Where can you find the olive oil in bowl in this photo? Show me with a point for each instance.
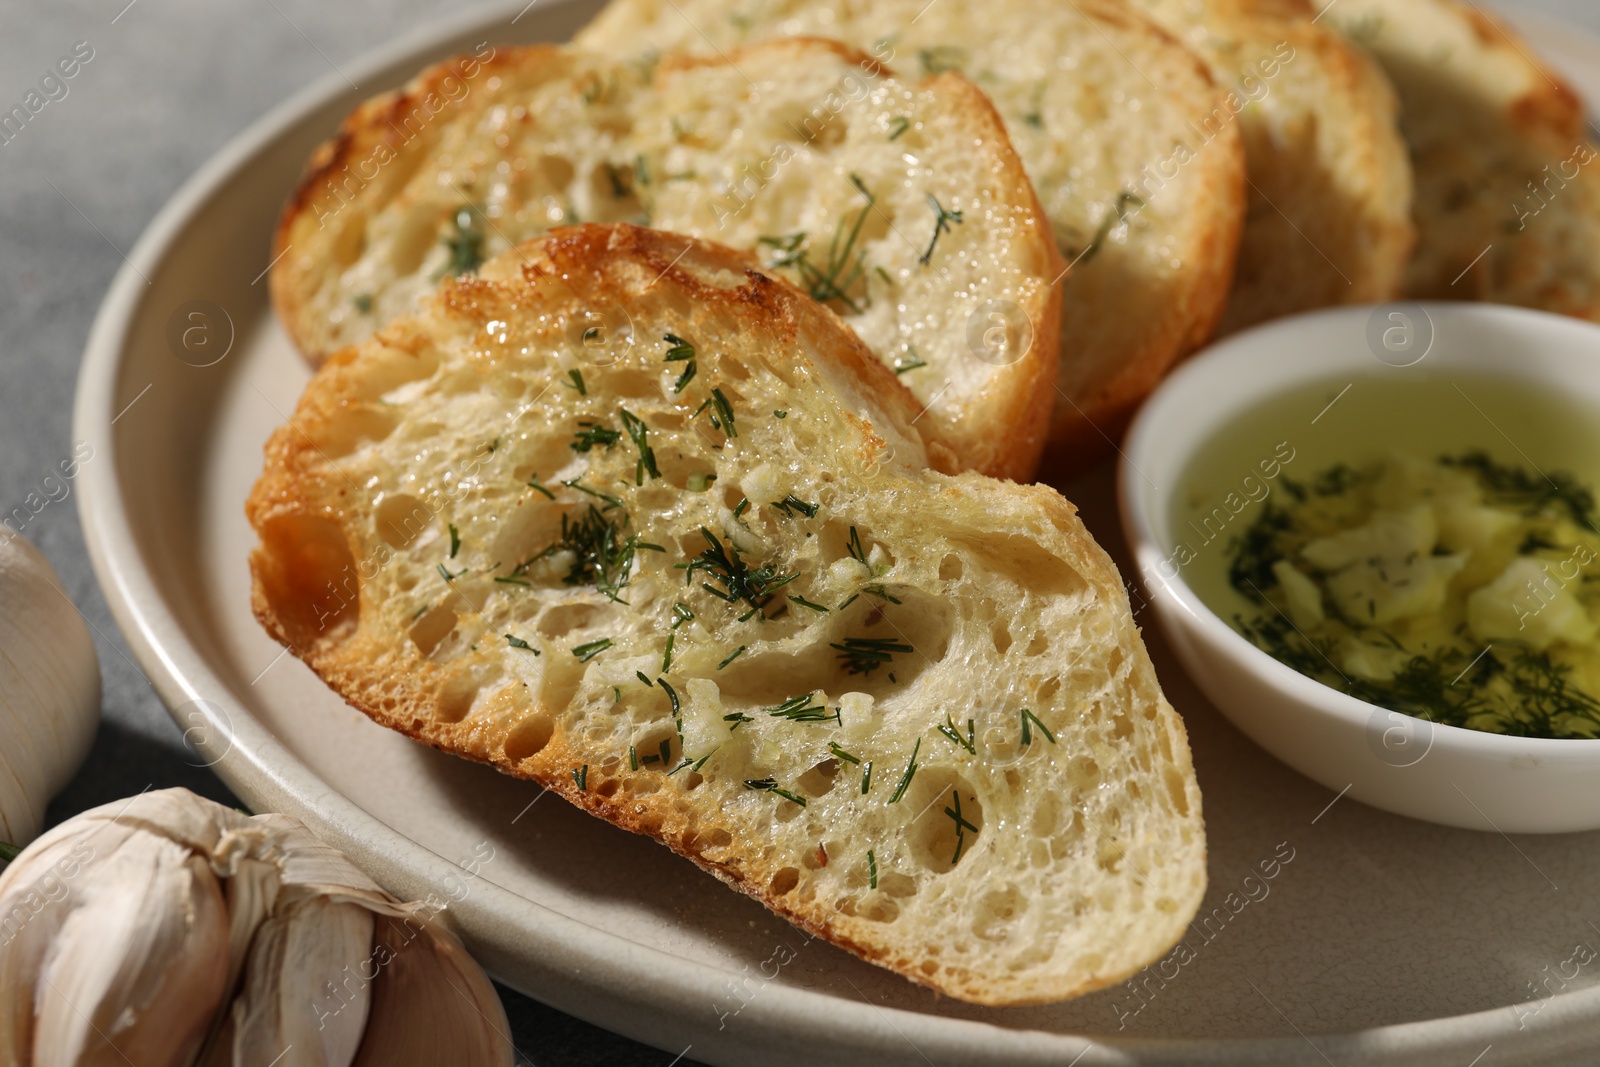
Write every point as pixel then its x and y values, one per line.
pixel 1426 543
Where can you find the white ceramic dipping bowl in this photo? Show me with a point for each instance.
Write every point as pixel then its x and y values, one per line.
pixel 1440 773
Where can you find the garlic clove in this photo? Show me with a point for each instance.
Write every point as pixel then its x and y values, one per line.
pixel 304 988
pixel 136 971
pixel 431 1003
pixel 49 688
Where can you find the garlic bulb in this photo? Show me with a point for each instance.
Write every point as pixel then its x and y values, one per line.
pixel 49 688
pixel 169 931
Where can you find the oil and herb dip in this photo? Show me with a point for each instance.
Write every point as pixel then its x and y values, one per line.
pixel 1432 548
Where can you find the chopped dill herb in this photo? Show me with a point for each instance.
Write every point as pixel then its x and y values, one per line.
pixel 633 758
pixel 872 870
pixel 687 762
pixel 666 657
pixel 878 590
pixel 651 757
pixel 666 751
pixel 533 483
pixel 645 678
pixel 941 59
pixel 791 504
pixel 1111 220
pixel 590 650
pixel 853 546
pixel 640 433
pixel 593 434
pixel 363 303
pixel 1028 718
pixel 735 654
pixel 899 125
pixel 909 362
pixel 802 709
pixel 942 218
pixel 576 379
pixel 740 508
pixel 611 501
pixel 905 779
pixel 580 778
pixel 621 181
pixel 839 753
pixel 863 655
pixel 465 243
pixel 866 778
pixel 672 697
pixel 681 350
pixel 949 730
pixel 740 583
pixel 840 272
pixel 516 642
pixel 803 602
pixel 725 410
pixel 962 825
pixel 1532 493
pixel 641 170
pixel 602 555
pixel 455 541
pixel 770 785
pixel 738 719
pixel 447 576
pixel 780 414
pixel 680 615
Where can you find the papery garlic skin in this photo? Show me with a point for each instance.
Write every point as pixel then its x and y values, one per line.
pixel 49 688
pixel 169 931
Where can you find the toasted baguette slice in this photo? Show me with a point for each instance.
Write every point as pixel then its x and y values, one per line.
pixel 1508 180
pixel 804 151
pixel 1108 113
pixel 1330 200
pixel 447 537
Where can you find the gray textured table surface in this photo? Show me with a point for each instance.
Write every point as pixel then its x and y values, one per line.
pixel 171 81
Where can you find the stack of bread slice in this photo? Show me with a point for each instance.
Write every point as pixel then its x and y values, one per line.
pixel 675 386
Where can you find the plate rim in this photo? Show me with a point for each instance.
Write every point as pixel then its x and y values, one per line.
pixel 580 969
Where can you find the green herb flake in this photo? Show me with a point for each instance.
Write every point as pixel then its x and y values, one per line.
pixel 962 825
pixel 725 411
pixel 791 504
pixel 780 414
pixel 533 483
pixel 735 654
pixel 899 125
pixel 640 433
pixel 363 303
pixel 645 678
pixel 633 758
pixel 575 380
pixel 590 650
pixel 803 602
pixel 942 218
pixel 770 785
pixel 839 753
pixel 1029 717
pixel 905 779
pixel 863 655
pixel 949 730
pixel 681 351
pixel 910 361
pixel 465 243
pixel 580 778
pixel 592 435
pixel 516 642
pixel 872 870
pixel 666 657
pixel 866 778
pixel 455 541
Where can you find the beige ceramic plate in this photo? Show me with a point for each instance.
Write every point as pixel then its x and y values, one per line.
pixel 1376 938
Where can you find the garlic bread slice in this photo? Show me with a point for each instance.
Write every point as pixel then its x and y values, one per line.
pixel 1109 115
pixel 1329 219
pixel 901 206
pixel 1508 178
pixel 654 530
